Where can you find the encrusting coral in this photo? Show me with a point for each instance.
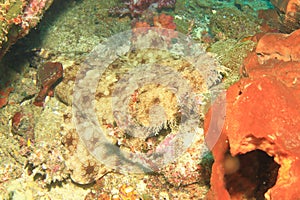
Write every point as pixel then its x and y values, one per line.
pixel 17 17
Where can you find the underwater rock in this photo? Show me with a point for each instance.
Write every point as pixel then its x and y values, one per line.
pixel 270 20
pixel 285 18
pixel 17 18
pixel 287 6
pixel 289 14
pixel 292 13
pixel 261 128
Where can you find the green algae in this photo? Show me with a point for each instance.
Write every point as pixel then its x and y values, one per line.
pixel 254 5
pixel 231 54
pixel 231 23
pixel 14 10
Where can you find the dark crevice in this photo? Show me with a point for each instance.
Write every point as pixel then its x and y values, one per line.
pixel 256 174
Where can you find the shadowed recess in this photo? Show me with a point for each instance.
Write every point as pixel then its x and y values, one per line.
pixel 256 174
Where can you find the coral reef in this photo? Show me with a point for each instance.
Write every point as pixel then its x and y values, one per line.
pixel 49 168
pixel 17 18
pixel 136 8
pixel 259 139
pixel 228 56
pixel 42 152
pixel 207 20
pixel 232 23
pixel 164 21
pixel 145 187
pixel 284 18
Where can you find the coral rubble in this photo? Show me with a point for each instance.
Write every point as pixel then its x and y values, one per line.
pixel 261 130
